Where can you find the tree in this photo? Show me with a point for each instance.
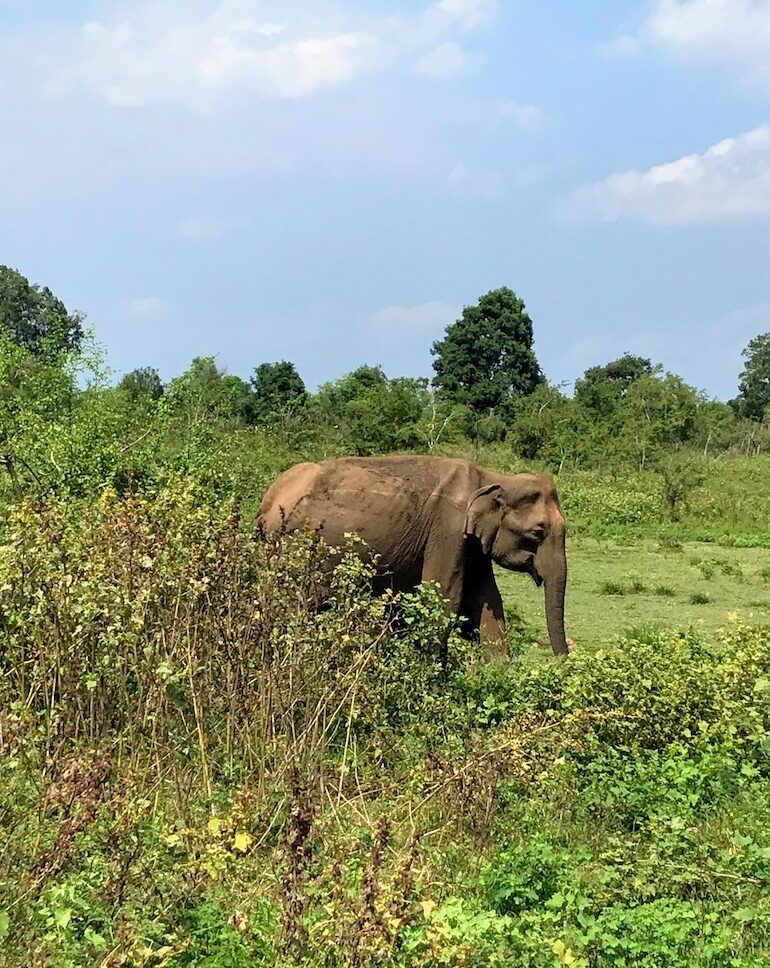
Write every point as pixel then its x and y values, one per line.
pixel 658 412
pixel 374 414
pixel 144 382
pixel 754 385
pixel 238 400
pixel 385 417
pixel 486 356
pixel 682 472
pixel 716 427
pixel 204 390
pixel 278 389
pixel 35 318
pixel 333 397
pixel 602 388
pixel 547 427
pixel 35 394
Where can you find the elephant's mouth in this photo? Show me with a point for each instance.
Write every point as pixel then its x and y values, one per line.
pixel 525 562
pixel 537 578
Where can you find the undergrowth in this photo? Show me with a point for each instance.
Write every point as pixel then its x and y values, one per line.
pixel 220 750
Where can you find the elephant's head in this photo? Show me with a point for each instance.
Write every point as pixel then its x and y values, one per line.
pixel 520 525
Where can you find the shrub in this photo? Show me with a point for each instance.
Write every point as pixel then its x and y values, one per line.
pixel 700 598
pixel 613 588
pixel 221 749
pixel 591 503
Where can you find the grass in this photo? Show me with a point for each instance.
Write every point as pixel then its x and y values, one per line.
pixel 614 587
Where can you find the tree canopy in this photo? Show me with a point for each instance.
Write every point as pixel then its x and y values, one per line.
pixel 205 389
pixel 374 413
pixel 601 388
pixel 486 356
pixel 142 382
pixel 34 318
pixel 278 388
pixel 754 386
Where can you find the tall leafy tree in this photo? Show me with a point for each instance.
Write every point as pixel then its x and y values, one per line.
pixel 143 382
pixel 754 385
pixel 333 397
pixel 486 356
pixel 278 389
pixel 548 426
pixel 374 414
pixel 659 411
pixel 204 390
pixel 602 388
pixel 34 318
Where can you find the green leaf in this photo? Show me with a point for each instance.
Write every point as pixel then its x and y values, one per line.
pixel 62 917
pixel 95 939
pixel 745 914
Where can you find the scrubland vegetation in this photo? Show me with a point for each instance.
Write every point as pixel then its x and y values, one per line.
pixel 200 767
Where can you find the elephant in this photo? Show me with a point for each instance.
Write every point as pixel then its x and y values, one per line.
pixel 440 519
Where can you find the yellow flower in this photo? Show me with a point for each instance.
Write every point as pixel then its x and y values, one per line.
pixel 243 841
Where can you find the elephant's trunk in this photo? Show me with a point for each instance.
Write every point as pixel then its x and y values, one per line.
pixel 551 564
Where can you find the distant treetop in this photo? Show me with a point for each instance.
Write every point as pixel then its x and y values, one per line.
pixel 142 382
pixel 34 318
pixel 601 388
pixel 278 388
pixel 753 400
pixel 486 356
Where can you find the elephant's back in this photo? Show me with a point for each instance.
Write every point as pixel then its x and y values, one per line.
pixel 347 495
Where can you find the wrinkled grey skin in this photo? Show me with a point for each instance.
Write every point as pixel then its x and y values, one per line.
pixel 436 519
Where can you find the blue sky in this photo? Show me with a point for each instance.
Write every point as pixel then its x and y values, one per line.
pixel 330 182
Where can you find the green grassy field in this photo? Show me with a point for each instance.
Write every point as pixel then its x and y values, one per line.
pixel 614 588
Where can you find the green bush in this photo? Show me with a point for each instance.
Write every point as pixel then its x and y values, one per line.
pixel 219 749
pixel 592 503
pixel 700 598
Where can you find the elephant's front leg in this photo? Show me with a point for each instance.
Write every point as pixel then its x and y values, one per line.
pixel 484 606
pixel 448 573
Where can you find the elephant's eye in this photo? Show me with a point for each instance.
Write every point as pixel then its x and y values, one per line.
pixel 528 500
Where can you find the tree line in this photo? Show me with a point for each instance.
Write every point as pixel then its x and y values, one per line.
pixel 488 388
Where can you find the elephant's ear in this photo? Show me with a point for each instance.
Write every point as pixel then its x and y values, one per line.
pixel 482 516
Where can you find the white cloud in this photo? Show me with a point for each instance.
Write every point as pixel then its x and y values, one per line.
pixel 729 180
pixel 448 58
pixel 201 54
pixel 430 315
pixel 146 59
pixel 144 306
pixel 468 14
pixel 286 70
pixel 624 45
pixel 733 33
pixel 200 227
pixel 489 185
pixel 527 117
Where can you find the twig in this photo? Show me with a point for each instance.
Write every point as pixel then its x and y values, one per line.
pixel 133 443
pixel 7 461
